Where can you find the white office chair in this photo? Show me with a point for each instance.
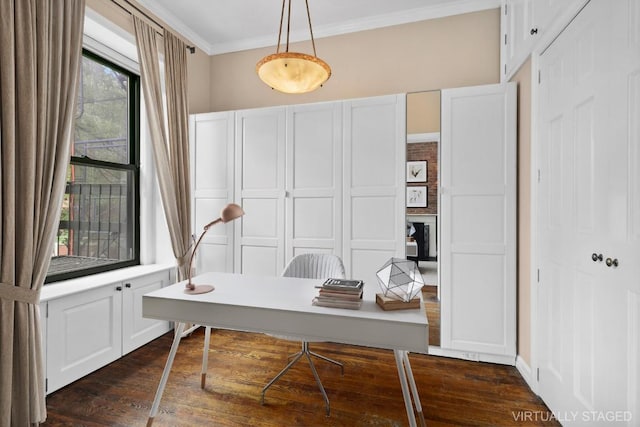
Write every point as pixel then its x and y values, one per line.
pixel 310 266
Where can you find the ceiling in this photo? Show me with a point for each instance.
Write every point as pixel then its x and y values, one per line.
pixel 220 26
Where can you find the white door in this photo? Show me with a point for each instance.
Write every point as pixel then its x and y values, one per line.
pixel 374 184
pixel 477 218
pixel 212 159
pixel 589 156
pixel 314 179
pixel 260 189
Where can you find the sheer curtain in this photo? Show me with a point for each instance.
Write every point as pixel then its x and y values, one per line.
pixel 39 74
pixel 171 154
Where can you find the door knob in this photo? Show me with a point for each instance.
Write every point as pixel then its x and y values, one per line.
pixel 611 262
pixel 596 257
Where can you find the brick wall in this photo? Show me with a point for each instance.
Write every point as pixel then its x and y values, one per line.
pixel 426 151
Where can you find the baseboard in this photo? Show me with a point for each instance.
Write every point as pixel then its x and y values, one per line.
pixel 474 357
pixel 527 374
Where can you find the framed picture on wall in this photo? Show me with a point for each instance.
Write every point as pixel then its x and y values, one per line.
pixel 417 171
pixel 417 197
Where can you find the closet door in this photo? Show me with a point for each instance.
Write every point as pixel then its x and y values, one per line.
pixel 260 189
pixel 212 157
pixel 374 184
pixel 589 206
pixel 314 179
pixel 478 221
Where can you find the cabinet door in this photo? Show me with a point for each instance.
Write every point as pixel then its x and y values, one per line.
pixel 374 147
pixel 478 221
pixel 518 38
pixel 212 157
pixel 314 179
pixel 84 333
pixel 260 187
pixel 136 330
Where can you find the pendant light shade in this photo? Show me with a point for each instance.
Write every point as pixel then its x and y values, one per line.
pixel 293 72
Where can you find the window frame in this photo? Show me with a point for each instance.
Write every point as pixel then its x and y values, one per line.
pixel 133 212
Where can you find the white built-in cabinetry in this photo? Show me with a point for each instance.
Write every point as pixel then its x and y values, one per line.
pixel 477 258
pixel 85 329
pixel 325 177
pixel 212 159
pixel 529 25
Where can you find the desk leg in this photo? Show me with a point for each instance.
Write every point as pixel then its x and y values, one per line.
pixel 414 389
pixel 165 374
pixel 399 354
pixel 205 356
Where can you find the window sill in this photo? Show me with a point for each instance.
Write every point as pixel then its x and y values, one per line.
pixel 68 287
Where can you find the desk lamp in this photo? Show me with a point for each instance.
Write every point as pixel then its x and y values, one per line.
pixel 228 213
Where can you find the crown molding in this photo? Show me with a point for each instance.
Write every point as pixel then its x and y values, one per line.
pixel 450 8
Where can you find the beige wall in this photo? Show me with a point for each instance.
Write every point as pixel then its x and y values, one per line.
pixel 423 112
pixel 455 51
pixel 523 78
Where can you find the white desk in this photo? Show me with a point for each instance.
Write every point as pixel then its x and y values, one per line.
pixel 282 306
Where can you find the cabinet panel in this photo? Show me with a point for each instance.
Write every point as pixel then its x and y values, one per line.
pixel 314 178
pixel 260 190
pixel 374 147
pixel 136 330
pixel 212 156
pixel 477 210
pixel 84 333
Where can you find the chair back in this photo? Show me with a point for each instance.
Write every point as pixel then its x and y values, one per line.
pixel 315 266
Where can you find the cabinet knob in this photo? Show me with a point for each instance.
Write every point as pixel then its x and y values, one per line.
pixel 118 288
pixel 127 285
pixel 534 31
pixel 612 262
pixel 596 257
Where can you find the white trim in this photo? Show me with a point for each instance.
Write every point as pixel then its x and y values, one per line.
pixel 110 41
pixel 526 373
pixel 473 357
pixel 442 10
pixel 414 138
pixel 65 288
pixel 533 236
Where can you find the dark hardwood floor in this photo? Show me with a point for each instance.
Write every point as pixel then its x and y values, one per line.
pixel 432 307
pixel 452 392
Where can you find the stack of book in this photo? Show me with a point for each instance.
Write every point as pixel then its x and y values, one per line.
pixel 340 293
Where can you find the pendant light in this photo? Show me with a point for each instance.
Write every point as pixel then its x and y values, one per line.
pixel 293 72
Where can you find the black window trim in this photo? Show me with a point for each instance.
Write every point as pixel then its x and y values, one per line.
pixel 133 166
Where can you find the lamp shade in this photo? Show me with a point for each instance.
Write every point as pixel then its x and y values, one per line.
pixel 293 72
pixel 231 212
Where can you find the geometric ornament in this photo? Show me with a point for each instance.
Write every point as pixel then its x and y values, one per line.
pixel 400 279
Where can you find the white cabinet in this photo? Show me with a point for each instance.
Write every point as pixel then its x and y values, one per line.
pixel 313 179
pixel 89 329
pixel 136 330
pixel 212 159
pixel 374 184
pixel 477 259
pixel 324 177
pixel 529 25
pixel 260 189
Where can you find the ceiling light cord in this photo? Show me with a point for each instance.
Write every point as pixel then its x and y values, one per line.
pixel 280 31
pixel 313 43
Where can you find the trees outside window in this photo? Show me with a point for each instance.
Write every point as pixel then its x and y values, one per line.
pixel 99 223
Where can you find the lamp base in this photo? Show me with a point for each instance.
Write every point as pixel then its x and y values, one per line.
pixel 199 289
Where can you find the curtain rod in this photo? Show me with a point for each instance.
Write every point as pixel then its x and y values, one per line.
pixel 192 49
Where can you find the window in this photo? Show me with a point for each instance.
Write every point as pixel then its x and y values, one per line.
pixel 99 223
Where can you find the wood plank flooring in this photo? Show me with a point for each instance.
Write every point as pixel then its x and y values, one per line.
pixel 452 392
